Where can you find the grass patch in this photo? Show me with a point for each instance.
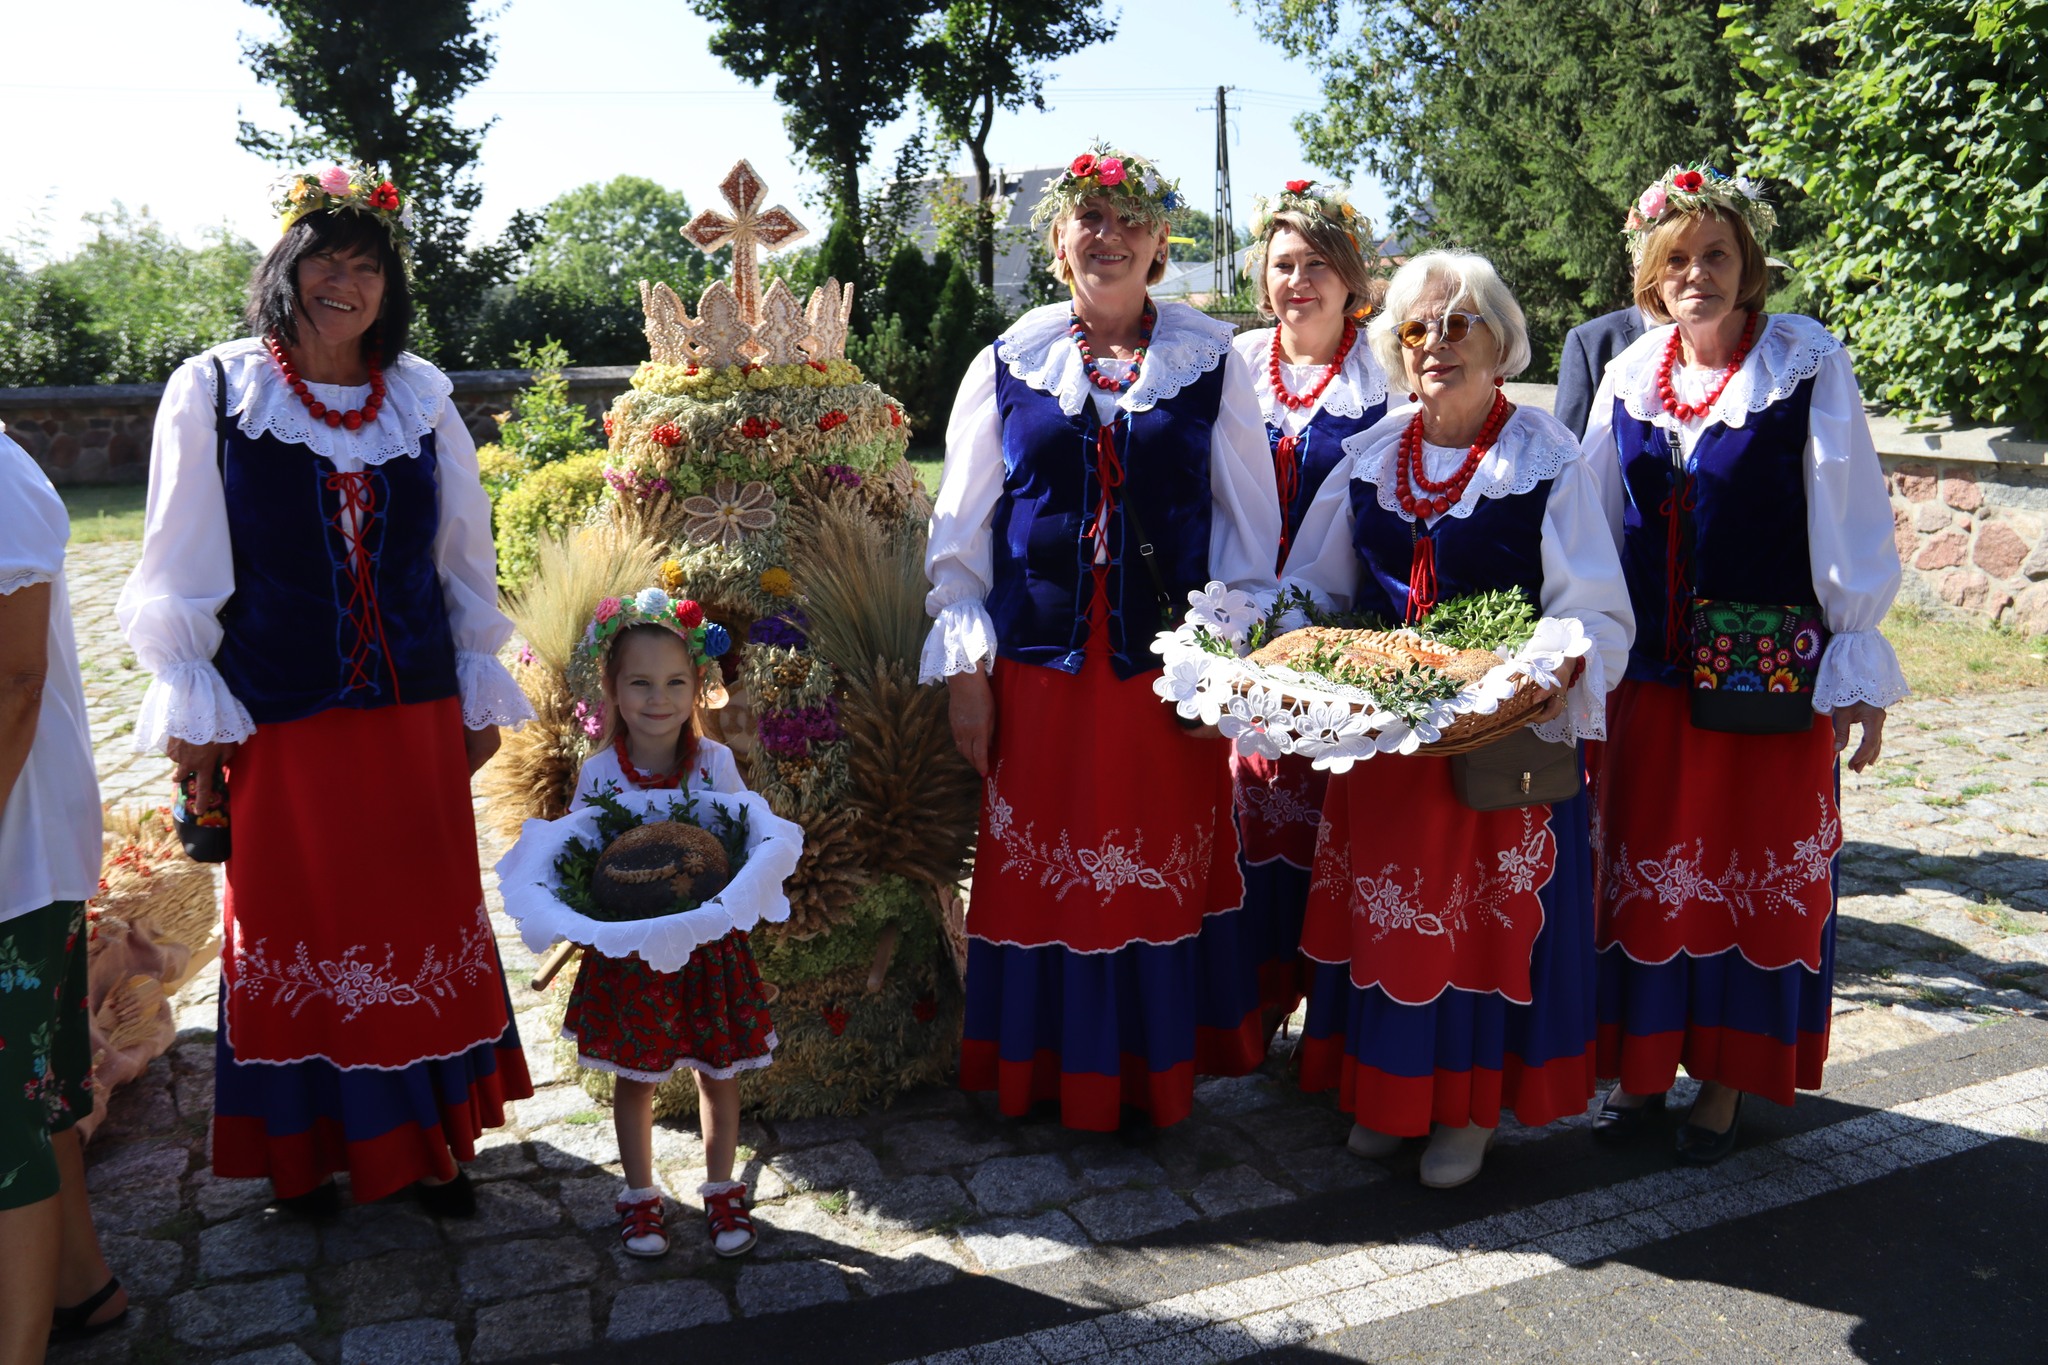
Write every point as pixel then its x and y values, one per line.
pixel 1980 789
pixel 928 472
pixel 1947 658
pixel 2000 916
pixel 584 1117
pixel 104 511
pixel 1942 802
pixel 834 1203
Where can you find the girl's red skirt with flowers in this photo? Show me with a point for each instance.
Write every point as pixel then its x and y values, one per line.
pixel 365 1024
pixel 633 1021
pixel 1108 962
pixel 1716 898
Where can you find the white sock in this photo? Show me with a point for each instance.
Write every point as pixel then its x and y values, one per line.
pixel 737 1237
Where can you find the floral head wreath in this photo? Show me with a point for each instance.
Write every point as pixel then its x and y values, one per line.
pixel 1330 207
pixel 354 189
pixel 706 640
pixel 1125 179
pixel 1693 189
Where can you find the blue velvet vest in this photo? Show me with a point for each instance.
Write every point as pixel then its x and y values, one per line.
pixel 1747 490
pixel 1318 449
pixel 1499 546
pixel 1045 519
pixel 309 627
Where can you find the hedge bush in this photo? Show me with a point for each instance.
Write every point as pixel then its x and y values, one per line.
pixel 543 504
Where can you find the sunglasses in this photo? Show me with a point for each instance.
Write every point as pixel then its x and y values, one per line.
pixel 1453 327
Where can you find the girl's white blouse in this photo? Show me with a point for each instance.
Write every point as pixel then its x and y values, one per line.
pixel 170 604
pixel 1848 510
pixel 1581 567
pixel 1186 344
pixel 715 770
pixel 1352 390
pixel 50 825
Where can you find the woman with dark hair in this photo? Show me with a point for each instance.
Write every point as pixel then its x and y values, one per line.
pixel 317 598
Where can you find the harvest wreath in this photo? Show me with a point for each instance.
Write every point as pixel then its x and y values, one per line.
pixel 1338 691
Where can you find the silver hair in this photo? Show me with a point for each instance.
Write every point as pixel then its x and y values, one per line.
pixel 1479 289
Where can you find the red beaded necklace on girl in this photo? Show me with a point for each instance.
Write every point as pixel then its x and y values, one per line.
pixel 1095 376
pixel 645 781
pixel 334 417
pixel 1685 412
pixel 1307 400
pixel 1409 475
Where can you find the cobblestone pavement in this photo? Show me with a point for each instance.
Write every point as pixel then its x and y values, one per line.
pixel 1944 928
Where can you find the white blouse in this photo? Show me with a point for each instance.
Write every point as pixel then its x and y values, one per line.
pixel 169 607
pixel 1352 390
pixel 715 771
pixel 1581 567
pixel 1037 349
pixel 50 827
pixel 1848 511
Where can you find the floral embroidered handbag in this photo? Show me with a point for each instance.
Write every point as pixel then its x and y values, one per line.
pixel 1754 665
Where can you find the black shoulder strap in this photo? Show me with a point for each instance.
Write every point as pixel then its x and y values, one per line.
pixel 220 417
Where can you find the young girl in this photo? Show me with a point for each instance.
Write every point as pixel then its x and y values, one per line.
pixel 712 1016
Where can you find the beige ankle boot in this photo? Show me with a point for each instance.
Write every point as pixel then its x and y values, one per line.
pixel 1372 1144
pixel 1455 1155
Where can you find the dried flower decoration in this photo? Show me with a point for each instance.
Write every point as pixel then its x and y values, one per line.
pixel 1694 189
pixel 1125 179
pixel 729 513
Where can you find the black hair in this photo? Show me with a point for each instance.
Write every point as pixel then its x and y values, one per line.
pixel 274 290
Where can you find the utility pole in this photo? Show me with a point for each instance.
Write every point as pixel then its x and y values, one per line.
pixel 1224 239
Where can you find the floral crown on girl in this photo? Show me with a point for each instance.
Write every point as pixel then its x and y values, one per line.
pixel 1330 207
pixel 1694 189
pixel 706 640
pixel 353 189
pixel 1126 179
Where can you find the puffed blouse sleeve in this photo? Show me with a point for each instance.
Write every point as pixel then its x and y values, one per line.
pixel 722 769
pixel 1323 562
pixel 1244 524
pixel 169 607
pixel 467 561
pixel 1849 533
pixel 1582 582
pixel 960 556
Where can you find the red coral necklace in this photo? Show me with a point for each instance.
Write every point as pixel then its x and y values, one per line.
pixel 1307 400
pixel 354 418
pixel 1685 412
pixel 1409 474
pixel 645 781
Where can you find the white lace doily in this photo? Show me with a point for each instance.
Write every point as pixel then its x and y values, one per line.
pixel 1186 344
pixel 526 875
pixel 414 395
pixel 1269 711
pixel 1532 446
pixel 1789 349
pixel 1356 387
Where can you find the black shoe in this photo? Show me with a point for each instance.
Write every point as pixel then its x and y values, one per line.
pixel 1618 1126
pixel 1699 1146
pixel 453 1199
pixel 75 1323
pixel 322 1201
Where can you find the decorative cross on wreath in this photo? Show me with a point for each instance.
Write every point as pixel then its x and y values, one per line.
pixel 748 227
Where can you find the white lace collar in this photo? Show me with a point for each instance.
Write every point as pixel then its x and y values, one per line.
pixel 1789 349
pixel 1186 344
pixel 1358 386
pixel 1532 447
pixel 414 395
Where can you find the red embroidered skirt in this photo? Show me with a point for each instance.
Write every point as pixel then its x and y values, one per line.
pixel 631 1020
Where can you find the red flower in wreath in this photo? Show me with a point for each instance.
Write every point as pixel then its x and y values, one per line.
pixel 1299 186
pixel 835 1019
pixel 667 434
pixel 689 615
pixel 925 1008
pixel 834 418
pixel 1083 164
pixel 608 424
pixel 1688 181
pixel 754 429
pixel 385 197
pixel 895 417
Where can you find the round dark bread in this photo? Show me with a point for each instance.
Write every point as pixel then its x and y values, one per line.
pixel 642 872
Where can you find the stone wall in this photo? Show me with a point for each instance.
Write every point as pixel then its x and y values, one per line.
pixel 1971 537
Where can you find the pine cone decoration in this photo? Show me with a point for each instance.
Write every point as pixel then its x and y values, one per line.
pixel 828 878
pixel 916 800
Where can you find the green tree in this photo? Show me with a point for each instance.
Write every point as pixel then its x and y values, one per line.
pixel 840 72
pixel 376 81
pixel 45 330
pixel 1924 146
pixel 987 55
pixel 1522 129
pixel 545 424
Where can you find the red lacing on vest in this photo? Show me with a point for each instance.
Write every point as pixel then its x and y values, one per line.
pixel 358 500
pixel 1287 474
pixel 1677 584
pixel 1109 474
pixel 1421 575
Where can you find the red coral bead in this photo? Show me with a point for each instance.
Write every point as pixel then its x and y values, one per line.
pixel 317 408
pixel 352 420
pixel 333 418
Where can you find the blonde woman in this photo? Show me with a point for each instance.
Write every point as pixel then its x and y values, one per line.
pixel 1105 458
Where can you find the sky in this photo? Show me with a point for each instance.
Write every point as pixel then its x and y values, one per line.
pixel 583 90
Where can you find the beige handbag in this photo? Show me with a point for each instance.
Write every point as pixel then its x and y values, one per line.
pixel 1518 769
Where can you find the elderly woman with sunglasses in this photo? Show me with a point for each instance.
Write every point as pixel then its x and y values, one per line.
pixel 1756 533
pixel 1451 948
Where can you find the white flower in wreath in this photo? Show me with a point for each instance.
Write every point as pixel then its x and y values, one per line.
pixel 730 513
pixel 1326 725
pixel 1259 721
pixel 1187 682
pixel 651 601
pixel 1226 612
